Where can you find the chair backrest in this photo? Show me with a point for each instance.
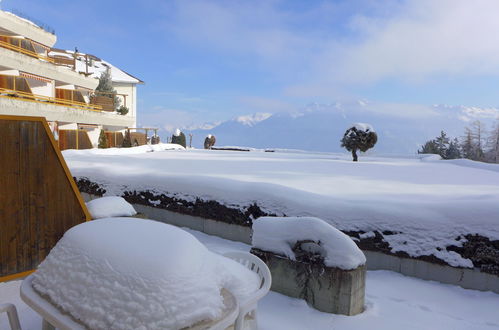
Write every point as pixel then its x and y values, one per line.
pixel 256 265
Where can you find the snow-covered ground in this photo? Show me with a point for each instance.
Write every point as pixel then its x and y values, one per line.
pixel 425 202
pixel 393 301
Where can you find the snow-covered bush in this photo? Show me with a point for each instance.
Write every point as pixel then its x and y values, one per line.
pixel 281 235
pixel 178 137
pixel 110 206
pixel 359 137
pixel 209 141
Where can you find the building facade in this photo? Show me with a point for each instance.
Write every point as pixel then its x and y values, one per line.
pixel 37 79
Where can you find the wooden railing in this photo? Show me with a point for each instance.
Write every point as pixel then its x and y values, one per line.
pixel 19 49
pixel 23 96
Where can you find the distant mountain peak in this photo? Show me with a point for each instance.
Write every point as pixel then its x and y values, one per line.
pixel 250 120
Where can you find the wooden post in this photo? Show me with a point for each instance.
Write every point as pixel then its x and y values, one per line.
pixel 77 133
pixel 190 140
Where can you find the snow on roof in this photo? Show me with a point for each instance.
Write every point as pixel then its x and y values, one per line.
pixel 110 206
pixel 21 18
pixel 280 234
pixel 126 273
pixel 96 66
pixel 363 127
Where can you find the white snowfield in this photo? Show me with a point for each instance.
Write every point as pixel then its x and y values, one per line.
pixel 427 203
pixel 127 273
pixel 280 234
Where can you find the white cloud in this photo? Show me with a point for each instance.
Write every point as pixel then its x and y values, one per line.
pixel 410 40
pixel 425 38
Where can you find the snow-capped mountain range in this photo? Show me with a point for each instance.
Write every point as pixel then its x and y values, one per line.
pixel 401 129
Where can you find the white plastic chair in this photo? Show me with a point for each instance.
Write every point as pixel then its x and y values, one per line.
pixel 248 306
pixel 53 318
pixel 11 311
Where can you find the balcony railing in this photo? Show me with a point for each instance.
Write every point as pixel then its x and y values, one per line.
pixel 23 96
pixel 24 51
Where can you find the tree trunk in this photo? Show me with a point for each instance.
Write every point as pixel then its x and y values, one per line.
pixel 354 155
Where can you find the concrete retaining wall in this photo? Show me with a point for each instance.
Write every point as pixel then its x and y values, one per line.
pixel 466 278
pixel 330 290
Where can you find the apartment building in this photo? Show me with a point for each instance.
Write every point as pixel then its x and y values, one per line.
pixel 37 79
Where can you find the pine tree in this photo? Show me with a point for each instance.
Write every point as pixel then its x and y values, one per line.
pixel 103 143
pixel 442 143
pixel 430 147
pixel 106 87
pixel 359 137
pixel 127 141
pixel 467 145
pixel 453 151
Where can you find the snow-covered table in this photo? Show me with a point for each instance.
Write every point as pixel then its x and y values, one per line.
pixel 126 273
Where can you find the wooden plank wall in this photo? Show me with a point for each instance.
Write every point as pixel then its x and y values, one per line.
pixel 114 139
pixel 67 139
pixel 39 200
pixel 138 139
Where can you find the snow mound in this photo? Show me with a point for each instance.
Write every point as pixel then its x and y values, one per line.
pixel 363 127
pixel 124 273
pixel 125 151
pixel 280 234
pixel 110 206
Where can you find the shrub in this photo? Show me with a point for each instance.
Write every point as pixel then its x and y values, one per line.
pixel 209 141
pixel 122 110
pixel 179 138
pixel 127 140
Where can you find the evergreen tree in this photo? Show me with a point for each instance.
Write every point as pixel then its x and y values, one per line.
pixel 467 145
pixel 453 151
pixel 103 143
pixel 430 147
pixel 442 143
pixel 127 141
pixel 359 137
pixel 106 87
pixel 179 138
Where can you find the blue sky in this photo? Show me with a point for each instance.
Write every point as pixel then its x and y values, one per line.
pixel 206 61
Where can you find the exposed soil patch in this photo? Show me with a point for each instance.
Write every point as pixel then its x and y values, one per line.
pixel 483 252
pixel 89 187
pixel 200 208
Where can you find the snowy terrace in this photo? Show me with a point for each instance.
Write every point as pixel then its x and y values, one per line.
pixel 419 206
pixel 393 301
